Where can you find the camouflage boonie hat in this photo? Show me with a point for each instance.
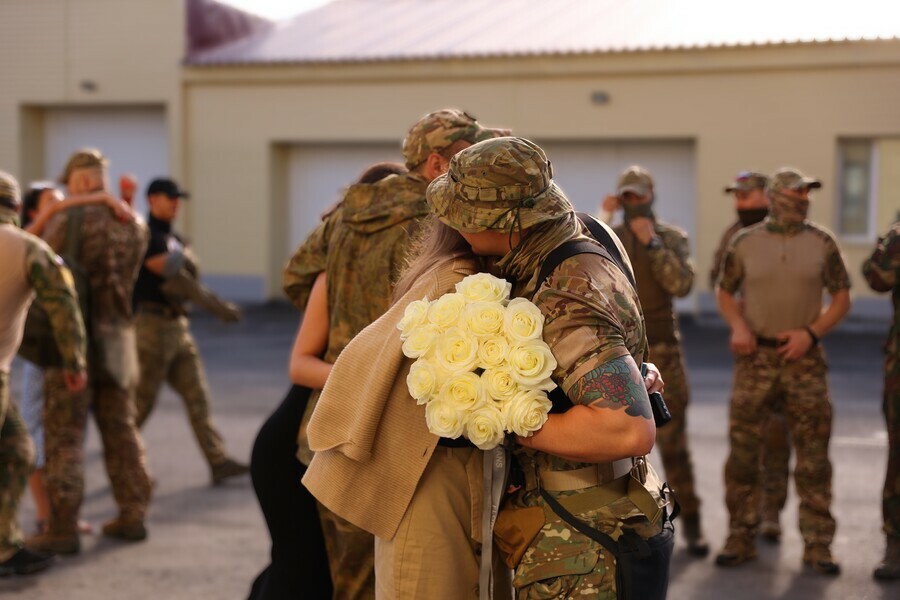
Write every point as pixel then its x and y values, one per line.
pixel 495 181
pixel 83 159
pixel 441 129
pixel 9 191
pixel 746 181
pixel 634 179
pixel 791 179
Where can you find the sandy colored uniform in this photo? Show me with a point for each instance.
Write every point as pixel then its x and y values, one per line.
pixel 882 272
pixel 110 253
pixel 30 268
pixel 663 274
pixel 780 272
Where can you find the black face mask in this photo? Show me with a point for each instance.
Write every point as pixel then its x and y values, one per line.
pixel 752 216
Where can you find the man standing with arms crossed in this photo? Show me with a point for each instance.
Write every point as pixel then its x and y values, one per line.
pixel 30 267
pixel 752 206
pixel 882 272
pixel 109 252
pixel 663 271
pixel 375 222
pixel 780 267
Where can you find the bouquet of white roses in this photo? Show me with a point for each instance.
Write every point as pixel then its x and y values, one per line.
pixel 482 368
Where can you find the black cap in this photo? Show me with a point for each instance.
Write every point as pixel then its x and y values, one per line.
pixel 167 187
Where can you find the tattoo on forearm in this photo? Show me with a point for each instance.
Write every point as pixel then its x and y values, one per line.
pixel 614 385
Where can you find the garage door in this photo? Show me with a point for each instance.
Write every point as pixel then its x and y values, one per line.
pixel 317 175
pixel 587 171
pixel 133 139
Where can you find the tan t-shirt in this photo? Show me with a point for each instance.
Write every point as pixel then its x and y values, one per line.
pixel 782 276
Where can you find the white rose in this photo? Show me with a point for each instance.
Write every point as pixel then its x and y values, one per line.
pixel 446 310
pixel 421 340
pixel 492 351
pixel 499 384
pixel 456 350
pixel 413 316
pixel 483 318
pixel 523 321
pixel 527 412
pixel 484 287
pixel 443 419
pixel 485 427
pixel 424 380
pixel 532 364
pixel 462 391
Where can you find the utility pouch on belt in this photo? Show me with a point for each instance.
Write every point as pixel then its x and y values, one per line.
pixel 514 531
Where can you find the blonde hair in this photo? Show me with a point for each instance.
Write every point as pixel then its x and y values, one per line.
pixel 434 243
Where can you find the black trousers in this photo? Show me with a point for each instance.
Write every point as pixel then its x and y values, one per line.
pixel 299 567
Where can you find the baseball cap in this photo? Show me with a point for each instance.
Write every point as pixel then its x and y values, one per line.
pixel 9 191
pixel 83 159
pixel 441 129
pixel 635 179
pixel 491 183
pixel 746 181
pixel 163 185
pixel 791 179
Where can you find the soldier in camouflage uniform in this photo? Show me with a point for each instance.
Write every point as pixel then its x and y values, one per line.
pixel 500 196
pixel 663 271
pixel 30 267
pixel 780 267
pixel 109 252
pixel 375 221
pixel 167 351
pixel 752 206
pixel 882 272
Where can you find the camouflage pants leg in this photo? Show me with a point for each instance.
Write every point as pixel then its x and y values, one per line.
pixel 672 439
pixel 351 557
pixel 167 352
pixel 123 449
pixel 891 496
pixel 16 458
pixel 808 409
pixel 776 457
pixel 65 419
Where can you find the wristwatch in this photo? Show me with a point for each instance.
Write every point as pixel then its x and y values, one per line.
pixel 655 243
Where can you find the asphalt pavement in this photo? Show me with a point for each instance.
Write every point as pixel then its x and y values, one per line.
pixel 210 542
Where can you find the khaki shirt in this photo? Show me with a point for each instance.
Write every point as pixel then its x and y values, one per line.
pixel 781 276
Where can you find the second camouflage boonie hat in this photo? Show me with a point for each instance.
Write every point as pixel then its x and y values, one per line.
pixel 9 191
pixel 634 179
pixel 791 179
pixel 83 159
pixel 746 181
pixel 441 129
pixel 495 182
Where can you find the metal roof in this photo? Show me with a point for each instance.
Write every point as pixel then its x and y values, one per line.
pixel 391 30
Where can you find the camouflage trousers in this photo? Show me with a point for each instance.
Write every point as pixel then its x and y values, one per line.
pixel 891 497
pixel 65 422
pixel 168 353
pixel 351 557
pixel 671 440
pixel 807 408
pixel 16 458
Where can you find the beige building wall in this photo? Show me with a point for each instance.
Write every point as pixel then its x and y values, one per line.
pixel 753 108
pixel 92 53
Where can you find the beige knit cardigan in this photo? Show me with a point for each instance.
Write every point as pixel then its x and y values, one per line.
pixel 369 436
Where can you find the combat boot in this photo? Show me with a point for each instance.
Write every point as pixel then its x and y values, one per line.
pixel 131 530
pixel 738 549
pixel 890 567
pixel 55 543
pixel 693 535
pixel 226 469
pixel 770 528
pixel 818 556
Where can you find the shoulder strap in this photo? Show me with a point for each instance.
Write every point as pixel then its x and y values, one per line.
pixel 601 234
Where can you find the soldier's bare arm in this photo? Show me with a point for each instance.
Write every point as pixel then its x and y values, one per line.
pixel 55 290
pixel 671 264
pixel 611 418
